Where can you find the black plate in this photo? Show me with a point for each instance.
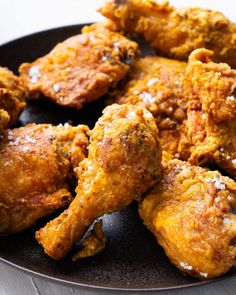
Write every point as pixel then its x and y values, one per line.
pixel 132 259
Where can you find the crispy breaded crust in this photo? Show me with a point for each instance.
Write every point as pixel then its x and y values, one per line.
pixel 175 32
pixel 81 69
pixel 211 123
pixel 158 84
pixel 190 214
pixel 12 95
pixel 37 163
pixel 123 162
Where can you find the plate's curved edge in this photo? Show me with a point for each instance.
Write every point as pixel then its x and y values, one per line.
pixel 44 31
pixel 106 288
pixel 89 286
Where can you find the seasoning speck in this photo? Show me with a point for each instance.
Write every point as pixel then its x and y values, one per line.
pixel 116 45
pixel 104 58
pixel 152 81
pixel 25 149
pixel 186 266
pixel 56 87
pixel 146 97
pixel 30 139
pixel 15 142
pixel 207 180
pixel 218 184
pixel 34 74
pixel 231 98
pixel 204 274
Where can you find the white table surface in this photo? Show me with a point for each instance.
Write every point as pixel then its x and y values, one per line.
pixel 21 17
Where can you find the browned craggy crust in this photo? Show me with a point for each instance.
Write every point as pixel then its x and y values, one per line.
pixel 81 69
pixel 190 214
pixel 37 163
pixel 211 123
pixel 175 32
pixel 12 94
pixel 123 162
pixel 158 84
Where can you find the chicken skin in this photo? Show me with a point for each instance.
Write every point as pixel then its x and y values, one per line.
pixel 190 212
pixel 81 69
pixel 123 162
pixel 12 95
pixel 37 164
pixel 157 84
pixel 211 123
pixel 93 244
pixel 175 32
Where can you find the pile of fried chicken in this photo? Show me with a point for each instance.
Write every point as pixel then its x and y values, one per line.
pixel 169 118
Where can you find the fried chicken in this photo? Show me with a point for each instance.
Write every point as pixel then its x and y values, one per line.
pixel 190 212
pixel 12 95
pixel 123 162
pixel 211 123
pixel 158 84
pixel 175 32
pixel 93 244
pixel 37 163
pixel 81 69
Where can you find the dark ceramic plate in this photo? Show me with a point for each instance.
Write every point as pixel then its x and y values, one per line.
pixel 132 259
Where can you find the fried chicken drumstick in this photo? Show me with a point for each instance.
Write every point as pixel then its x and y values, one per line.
pixel 211 123
pixel 37 164
pixel 123 162
pixel 175 32
pixel 158 84
pixel 190 212
pixel 81 69
pixel 12 95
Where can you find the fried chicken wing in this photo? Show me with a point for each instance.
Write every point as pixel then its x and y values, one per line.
pixel 211 123
pixel 37 163
pixel 158 84
pixel 12 95
pixel 81 69
pixel 175 32
pixel 123 162
pixel 190 212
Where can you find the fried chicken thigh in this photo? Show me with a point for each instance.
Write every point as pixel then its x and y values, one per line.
pixel 81 69
pixel 211 123
pixel 37 164
pixel 190 212
pixel 175 32
pixel 123 162
pixel 157 84
pixel 12 95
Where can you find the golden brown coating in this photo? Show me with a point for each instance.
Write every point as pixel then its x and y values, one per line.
pixel 36 162
pixel 175 32
pixel 107 25
pixel 81 69
pixel 123 162
pixel 190 212
pixel 93 244
pixel 12 95
pixel 211 120
pixel 157 84
pixel 4 119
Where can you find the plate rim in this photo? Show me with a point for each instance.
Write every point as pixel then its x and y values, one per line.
pixel 107 288
pixel 83 285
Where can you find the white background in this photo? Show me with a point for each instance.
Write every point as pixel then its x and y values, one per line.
pixel 21 17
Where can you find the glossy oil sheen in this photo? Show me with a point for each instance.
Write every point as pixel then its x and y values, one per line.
pixel 132 259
